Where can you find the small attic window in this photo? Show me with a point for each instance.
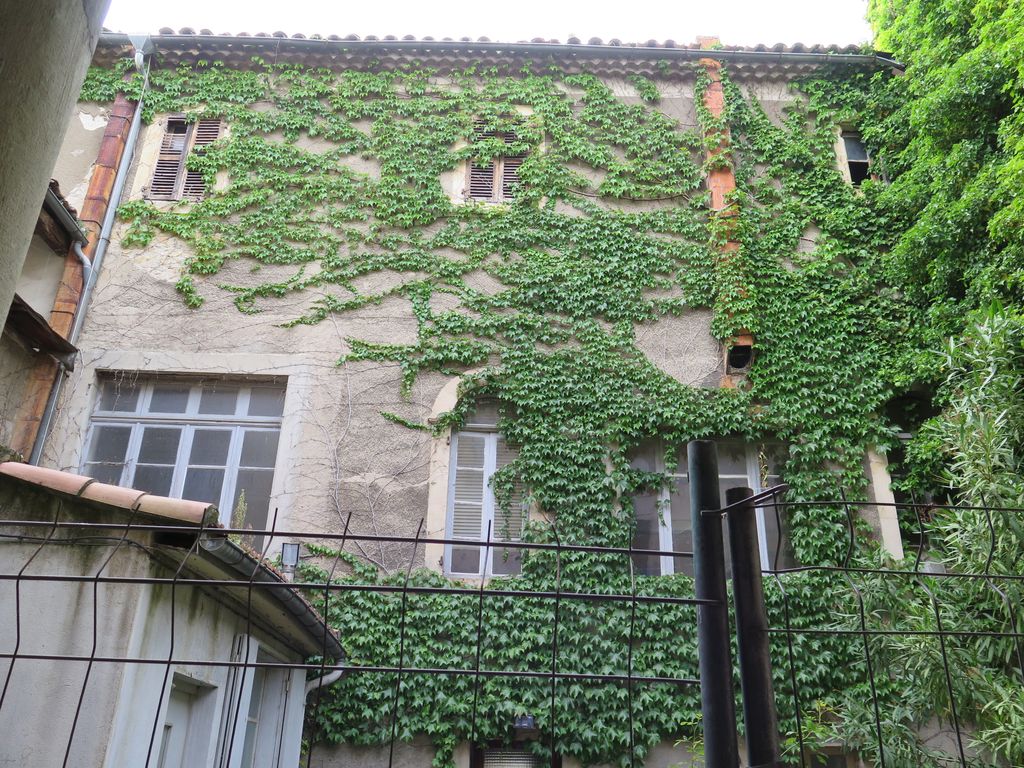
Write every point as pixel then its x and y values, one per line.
pixel 496 180
pixel 171 179
pixel 857 160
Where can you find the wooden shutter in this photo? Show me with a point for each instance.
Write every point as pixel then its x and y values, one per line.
pixel 510 176
pixel 164 185
pixel 206 132
pixel 493 181
pixel 481 181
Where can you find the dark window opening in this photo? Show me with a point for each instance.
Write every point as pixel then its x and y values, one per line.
pixel 739 358
pixel 857 160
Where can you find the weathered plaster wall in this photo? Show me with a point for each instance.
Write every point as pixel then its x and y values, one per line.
pixel 15 366
pixel 40 276
pixel 78 151
pixel 338 456
pixel 45 47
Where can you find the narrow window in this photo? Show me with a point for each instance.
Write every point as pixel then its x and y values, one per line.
pixel 171 179
pixel 496 180
pixel 477 452
pixel 857 160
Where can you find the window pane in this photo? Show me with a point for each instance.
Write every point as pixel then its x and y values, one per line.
pixel 505 562
pixel 203 485
pixel 465 560
pixel 255 678
pixel 485 414
pixel 259 448
pixel 119 395
pixel 466 521
pixel 266 401
pixel 109 444
pixel 105 473
pixel 682 528
pixel 506 454
pixel 159 445
pixel 169 398
pixel 217 399
pixel 647 535
pixel 855 149
pixel 780 552
pixel 210 446
pixel 732 459
pixel 645 457
pixel 256 485
pixel 153 479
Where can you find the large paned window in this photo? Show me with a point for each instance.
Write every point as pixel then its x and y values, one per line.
pixel 477 452
pixel 212 441
pixel 664 519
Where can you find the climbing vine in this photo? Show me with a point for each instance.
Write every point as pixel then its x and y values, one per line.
pixel 335 176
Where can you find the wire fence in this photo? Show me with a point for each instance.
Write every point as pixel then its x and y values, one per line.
pixel 934 614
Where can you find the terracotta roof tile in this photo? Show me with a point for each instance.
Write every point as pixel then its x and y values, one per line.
pixel 614 58
pixel 572 40
pixel 180 510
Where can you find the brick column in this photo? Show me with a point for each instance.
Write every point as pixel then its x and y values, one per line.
pixel 721 183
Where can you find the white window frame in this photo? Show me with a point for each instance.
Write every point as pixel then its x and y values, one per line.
pixel 189 420
pixel 489 505
pixel 752 479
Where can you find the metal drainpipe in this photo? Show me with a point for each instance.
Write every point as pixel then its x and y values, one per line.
pixel 91 270
pixel 326 680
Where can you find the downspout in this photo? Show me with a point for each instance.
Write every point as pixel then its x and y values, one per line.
pixel 92 268
pixel 321 682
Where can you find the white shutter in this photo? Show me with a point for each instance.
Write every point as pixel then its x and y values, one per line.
pixel 468 486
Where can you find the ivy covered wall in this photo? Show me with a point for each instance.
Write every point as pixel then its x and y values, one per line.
pixel 609 233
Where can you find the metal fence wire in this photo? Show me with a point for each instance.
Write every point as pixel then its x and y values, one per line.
pixel 891 630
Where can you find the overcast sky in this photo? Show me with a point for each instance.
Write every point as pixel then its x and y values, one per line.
pixel 736 22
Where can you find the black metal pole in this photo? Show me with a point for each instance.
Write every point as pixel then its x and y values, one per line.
pixel 716 686
pixel 752 633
